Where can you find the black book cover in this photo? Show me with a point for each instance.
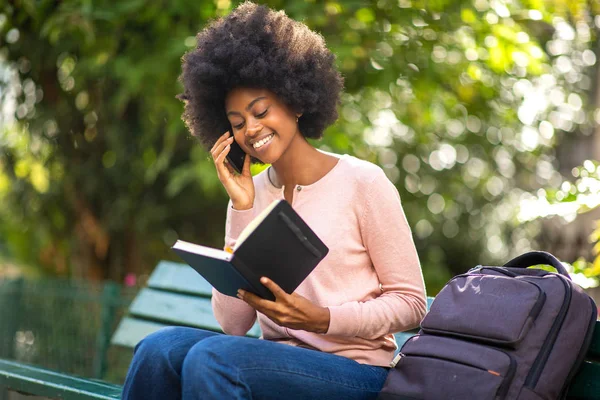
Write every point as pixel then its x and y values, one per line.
pixel 281 247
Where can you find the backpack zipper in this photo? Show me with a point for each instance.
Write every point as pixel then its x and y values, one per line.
pixel 536 369
pixel 506 379
pixel 540 361
pixel 396 360
pixel 503 389
pixel 581 356
pixel 533 314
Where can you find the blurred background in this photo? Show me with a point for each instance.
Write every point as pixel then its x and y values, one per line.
pixel 484 113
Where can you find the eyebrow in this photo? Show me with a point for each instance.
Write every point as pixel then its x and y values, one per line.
pixel 249 105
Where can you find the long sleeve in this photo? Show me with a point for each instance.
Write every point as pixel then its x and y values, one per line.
pixel 388 240
pixel 235 316
pixel 370 280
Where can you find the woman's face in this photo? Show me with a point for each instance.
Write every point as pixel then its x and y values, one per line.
pixel 262 124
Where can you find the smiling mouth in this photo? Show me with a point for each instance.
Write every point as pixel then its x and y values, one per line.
pixel 262 142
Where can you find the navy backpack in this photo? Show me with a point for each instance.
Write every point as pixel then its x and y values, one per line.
pixel 507 332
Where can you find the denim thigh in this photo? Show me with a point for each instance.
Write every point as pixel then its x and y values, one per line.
pixel 244 368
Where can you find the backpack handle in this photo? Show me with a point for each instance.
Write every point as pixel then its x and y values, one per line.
pixel 537 257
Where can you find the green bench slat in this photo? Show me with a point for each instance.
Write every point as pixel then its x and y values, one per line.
pixel 594 351
pixel 586 384
pixel 174 308
pixel 180 278
pixel 130 331
pixel 41 382
pixel 402 337
pixel 152 309
pixel 177 295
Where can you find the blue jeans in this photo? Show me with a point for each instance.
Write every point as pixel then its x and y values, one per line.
pixel 189 363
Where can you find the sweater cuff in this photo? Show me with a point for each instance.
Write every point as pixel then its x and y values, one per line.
pixel 233 315
pixel 344 320
pixel 237 220
pixel 226 302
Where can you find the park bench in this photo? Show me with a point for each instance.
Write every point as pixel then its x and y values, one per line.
pixel 176 295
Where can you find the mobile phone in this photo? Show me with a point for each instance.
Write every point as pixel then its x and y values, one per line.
pixel 236 156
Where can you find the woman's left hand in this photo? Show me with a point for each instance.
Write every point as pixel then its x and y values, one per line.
pixel 288 310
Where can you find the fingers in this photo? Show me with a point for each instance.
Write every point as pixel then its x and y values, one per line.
pixel 220 140
pixel 264 306
pixel 254 300
pixel 220 150
pixel 246 167
pixel 278 292
pixel 220 145
pixel 258 303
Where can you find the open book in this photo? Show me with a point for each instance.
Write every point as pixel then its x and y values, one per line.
pixel 277 244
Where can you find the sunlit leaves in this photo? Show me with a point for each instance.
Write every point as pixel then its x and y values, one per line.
pixel 567 201
pixel 461 102
pixel 484 79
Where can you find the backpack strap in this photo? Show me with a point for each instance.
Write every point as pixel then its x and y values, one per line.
pixel 535 258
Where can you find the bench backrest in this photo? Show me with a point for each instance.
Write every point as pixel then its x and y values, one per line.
pixel 177 295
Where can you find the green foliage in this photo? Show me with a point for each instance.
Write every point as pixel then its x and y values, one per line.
pixel 448 96
pixel 567 201
pixel 100 155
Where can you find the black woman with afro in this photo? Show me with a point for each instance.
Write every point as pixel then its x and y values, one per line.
pixel 273 82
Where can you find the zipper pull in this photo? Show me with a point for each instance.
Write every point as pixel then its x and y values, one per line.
pixel 396 360
pixel 475 269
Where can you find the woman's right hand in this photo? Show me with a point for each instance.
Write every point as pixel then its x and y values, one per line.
pixel 239 187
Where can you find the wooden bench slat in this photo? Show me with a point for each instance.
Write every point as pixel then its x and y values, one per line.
pixel 46 383
pixel 180 278
pixel 130 331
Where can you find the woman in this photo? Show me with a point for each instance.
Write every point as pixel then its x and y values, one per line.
pixel 273 81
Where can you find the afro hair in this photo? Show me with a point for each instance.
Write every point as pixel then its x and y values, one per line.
pixel 257 47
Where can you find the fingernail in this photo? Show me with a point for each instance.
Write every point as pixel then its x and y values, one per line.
pixel 263 280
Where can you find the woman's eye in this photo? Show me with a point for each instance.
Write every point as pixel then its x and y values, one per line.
pixel 239 126
pixel 262 114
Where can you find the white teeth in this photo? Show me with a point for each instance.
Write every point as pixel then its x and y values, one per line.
pixel 262 142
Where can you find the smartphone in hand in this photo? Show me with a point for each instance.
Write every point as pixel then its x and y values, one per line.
pixel 236 156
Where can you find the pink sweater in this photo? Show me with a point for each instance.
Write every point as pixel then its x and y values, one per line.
pixel 370 280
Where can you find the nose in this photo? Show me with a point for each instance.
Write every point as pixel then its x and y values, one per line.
pixel 253 127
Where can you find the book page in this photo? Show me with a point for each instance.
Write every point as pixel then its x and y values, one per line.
pixel 254 224
pixel 203 250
